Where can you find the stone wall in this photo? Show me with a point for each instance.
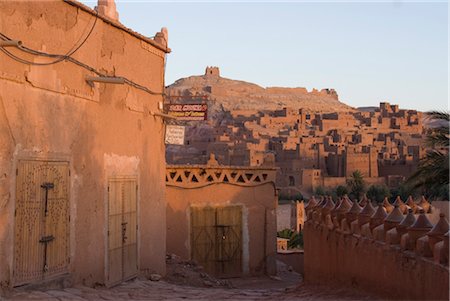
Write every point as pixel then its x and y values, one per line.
pixel 355 250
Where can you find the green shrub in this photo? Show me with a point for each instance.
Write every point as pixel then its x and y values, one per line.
pixel 295 238
pixel 320 190
pixel 378 193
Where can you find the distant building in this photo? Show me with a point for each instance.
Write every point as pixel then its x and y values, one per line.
pixel 315 149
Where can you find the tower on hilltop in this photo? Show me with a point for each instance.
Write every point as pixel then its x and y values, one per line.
pixel 212 71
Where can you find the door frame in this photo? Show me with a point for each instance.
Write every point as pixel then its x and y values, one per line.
pixel 244 231
pixel 48 157
pixel 106 241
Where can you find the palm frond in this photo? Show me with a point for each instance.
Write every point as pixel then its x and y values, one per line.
pixel 439 115
pixel 432 172
pixel 438 138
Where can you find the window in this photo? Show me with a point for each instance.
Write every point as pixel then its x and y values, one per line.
pixel 291 181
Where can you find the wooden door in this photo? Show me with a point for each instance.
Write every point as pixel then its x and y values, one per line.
pixel 122 229
pixel 130 229
pixel 229 240
pixel 216 239
pixel 203 236
pixel 41 231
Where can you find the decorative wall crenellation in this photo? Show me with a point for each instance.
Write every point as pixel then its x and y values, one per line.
pixel 358 244
pixel 203 175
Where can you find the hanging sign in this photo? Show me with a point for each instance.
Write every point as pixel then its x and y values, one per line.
pixel 188 112
pixel 174 134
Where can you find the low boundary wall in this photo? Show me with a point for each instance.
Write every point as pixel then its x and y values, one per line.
pixel 350 259
pixel 293 259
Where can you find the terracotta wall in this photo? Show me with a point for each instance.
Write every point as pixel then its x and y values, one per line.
pixel 357 161
pixel 332 182
pixel 259 214
pixel 294 259
pixel 355 261
pixel 50 112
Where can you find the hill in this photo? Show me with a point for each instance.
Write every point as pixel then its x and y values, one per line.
pixel 233 95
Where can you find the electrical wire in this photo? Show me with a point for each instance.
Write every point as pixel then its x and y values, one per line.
pixel 61 57
pixel 71 51
pixel 67 57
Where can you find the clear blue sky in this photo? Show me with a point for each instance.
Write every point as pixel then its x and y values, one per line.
pixel 368 52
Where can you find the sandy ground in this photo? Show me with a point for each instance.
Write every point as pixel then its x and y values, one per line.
pixel 187 281
pixel 161 290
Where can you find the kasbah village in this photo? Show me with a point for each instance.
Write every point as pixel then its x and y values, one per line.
pixel 208 188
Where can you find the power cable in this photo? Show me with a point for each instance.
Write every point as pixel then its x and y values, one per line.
pixel 60 57
pixel 68 57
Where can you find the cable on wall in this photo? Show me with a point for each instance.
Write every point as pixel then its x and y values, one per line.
pixel 67 57
pixel 61 57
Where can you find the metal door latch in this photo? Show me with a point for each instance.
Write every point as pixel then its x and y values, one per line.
pixel 124 232
pixel 47 186
pixel 45 240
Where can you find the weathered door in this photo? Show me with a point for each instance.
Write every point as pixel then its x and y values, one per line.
pixel 203 233
pixel 229 240
pixel 122 229
pixel 216 239
pixel 41 237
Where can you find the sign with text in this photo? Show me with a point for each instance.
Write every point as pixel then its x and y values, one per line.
pixel 174 134
pixel 190 112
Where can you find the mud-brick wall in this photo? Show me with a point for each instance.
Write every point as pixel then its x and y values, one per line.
pixel 259 224
pixel 50 113
pixel 354 261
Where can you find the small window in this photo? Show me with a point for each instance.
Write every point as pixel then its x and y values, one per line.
pixel 291 181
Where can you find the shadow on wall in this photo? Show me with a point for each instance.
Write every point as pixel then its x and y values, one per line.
pixel 46 126
pixel 373 248
pixel 6 204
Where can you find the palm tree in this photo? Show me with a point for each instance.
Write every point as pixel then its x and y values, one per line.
pixel 432 174
pixel 356 184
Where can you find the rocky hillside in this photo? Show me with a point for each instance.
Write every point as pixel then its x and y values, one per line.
pixel 239 95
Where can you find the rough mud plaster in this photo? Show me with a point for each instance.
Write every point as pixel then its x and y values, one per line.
pixel 52 129
pixel 46 79
pixel 8 11
pixel 116 165
pixel 6 142
pixel 112 44
pixel 6 206
pixel 62 19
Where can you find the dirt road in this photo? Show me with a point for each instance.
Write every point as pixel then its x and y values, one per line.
pixel 161 290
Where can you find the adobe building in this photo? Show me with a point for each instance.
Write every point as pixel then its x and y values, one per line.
pixel 223 217
pixel 82 192
pixel 291 216
pixel 311 149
